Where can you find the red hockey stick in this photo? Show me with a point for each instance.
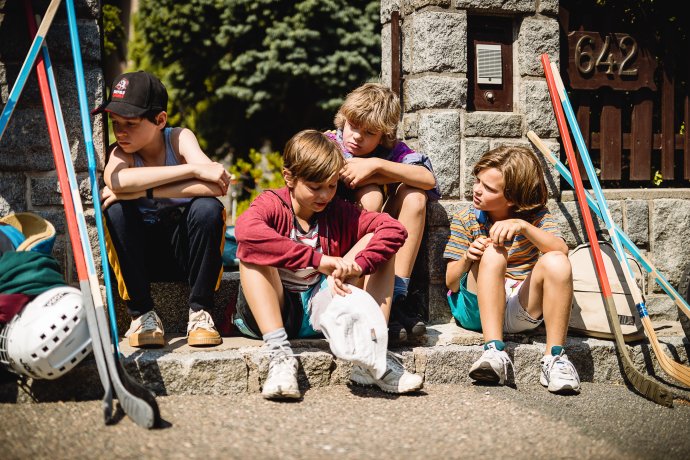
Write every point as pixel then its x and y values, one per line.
pixel 644 384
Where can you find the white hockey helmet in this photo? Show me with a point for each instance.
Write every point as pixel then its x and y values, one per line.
pixel 48 337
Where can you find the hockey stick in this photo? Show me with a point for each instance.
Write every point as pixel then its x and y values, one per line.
pixel 642 383
pixel 621 235
pixel 680 302
pixel 57 149
pixel 138 402
pixel 672 368
pixel 102 343
pixel 27 65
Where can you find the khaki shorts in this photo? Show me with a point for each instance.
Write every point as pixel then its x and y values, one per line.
pixel 516 318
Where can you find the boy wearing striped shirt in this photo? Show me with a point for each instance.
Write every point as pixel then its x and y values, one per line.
pixel 508 269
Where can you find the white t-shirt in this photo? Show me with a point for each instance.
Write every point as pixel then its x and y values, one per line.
pixel 302 279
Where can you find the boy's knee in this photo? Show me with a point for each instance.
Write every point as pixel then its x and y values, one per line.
pixel 372 200
pixel 494 259
pixel 556 265
pixel 412 198
pixel 206 210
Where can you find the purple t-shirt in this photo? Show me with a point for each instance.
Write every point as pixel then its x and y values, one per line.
pixel 400 153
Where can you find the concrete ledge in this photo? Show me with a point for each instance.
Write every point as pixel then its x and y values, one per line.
pixel 239 364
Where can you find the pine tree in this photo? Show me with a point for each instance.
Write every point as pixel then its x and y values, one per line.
pixel 240 72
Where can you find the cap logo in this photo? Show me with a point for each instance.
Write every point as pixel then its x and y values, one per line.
pixel 120 88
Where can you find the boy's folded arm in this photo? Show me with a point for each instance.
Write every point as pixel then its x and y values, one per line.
pixel 413 175
pixel 187 189
pixel 259 243
pixel 122 178
pixel 388 237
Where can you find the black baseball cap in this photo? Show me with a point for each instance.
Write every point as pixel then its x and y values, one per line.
pixel 133 94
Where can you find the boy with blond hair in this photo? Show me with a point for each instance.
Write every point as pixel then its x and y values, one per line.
pixel 382 173
pixel 508 267
pixel 298 240
pixel 163 221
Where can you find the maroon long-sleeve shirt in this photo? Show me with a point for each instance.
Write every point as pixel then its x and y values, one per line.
pixel 263 231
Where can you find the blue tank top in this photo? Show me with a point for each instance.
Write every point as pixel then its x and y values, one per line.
pixel 150 208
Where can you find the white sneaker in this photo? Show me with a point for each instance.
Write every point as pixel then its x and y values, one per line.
pixel 281 382
pixel 146 331
pixel 559 375
pixel 201 330
pixel 492 367
pixel 395 380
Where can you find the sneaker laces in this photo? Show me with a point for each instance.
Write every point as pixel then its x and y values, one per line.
pixel 280 363
pixel 563 365
pixel 393 364
pixel 501 356
pixel 149 321
pixel 200 320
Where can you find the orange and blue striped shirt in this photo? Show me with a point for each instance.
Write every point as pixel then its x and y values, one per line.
pixel 469 224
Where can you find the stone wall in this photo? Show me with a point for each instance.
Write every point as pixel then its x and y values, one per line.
pixel 436 121
pixel 28 181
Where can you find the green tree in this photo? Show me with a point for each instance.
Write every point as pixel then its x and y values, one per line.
pixel 240 72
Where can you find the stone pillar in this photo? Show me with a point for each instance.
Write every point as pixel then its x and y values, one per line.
pixel 28 181
pixel 436 119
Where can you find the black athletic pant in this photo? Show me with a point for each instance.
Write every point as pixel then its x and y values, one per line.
pixel 186 243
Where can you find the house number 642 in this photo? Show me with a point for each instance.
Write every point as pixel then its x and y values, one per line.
pixel 609 60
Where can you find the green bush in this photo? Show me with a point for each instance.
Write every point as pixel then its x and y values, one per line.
pixel 263 171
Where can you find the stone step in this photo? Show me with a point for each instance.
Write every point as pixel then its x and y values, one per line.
pixel 444 355
pixel 171 303
pixel 171 300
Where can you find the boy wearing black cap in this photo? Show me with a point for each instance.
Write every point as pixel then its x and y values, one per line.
pixel 163 222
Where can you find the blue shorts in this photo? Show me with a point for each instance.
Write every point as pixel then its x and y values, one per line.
pixel 465 309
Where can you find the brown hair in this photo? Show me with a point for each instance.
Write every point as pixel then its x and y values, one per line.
pixel 523 176
pixel 372 106
pixel 312 156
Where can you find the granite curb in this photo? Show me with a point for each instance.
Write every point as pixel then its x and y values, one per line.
pixel 443 356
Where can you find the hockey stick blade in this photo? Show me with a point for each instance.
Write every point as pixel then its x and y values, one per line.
pixel 137 401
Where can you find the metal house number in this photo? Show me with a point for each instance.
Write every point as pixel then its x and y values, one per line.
pixel 606 59
pixel 609 59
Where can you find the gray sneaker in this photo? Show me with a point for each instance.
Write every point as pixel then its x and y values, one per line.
pixel 492 367
pixel 281 382
pixel 395 380
pixel 559 375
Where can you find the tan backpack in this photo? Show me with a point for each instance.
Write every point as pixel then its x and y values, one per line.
pixel 588 316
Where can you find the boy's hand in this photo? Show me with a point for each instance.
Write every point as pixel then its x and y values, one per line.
pixel 357 170
pixel 505 230
pixel 477 247
pixel 337 286
pixel 109 197
pixel 339 271
pixel 215 173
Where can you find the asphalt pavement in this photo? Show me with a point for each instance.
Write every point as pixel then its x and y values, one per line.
pixel 351 422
